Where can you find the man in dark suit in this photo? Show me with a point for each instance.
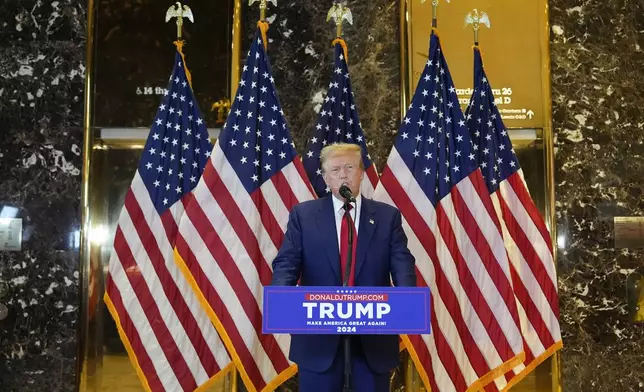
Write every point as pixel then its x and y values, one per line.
pixel 313 252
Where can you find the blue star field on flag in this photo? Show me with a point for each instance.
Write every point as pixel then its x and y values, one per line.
pixel 433 140
pixel 256 140
pixel 338 123
pixel 491 143
pixel 178 145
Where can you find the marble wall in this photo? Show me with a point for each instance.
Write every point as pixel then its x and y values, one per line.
pixel 598 97
pixel 42 46
pixel 302 61
pixel 597 90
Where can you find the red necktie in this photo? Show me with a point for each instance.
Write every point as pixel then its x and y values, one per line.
pixel 344 246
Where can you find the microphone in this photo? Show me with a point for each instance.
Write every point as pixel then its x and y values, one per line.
pixel 346 193
pixel 348 376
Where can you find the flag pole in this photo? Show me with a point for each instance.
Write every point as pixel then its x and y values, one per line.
pixel 262 23
pixel 476 19
pixel 179 11
pixel 434 12
pixel 339 12
pixel 234 373
pixel 234 380
pixel 263 5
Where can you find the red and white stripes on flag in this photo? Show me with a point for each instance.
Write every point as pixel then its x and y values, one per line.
pixel 525 234
pixel 529 247
pixel 460 255
pixel 369 182
pixel 171 341
pixel 227 241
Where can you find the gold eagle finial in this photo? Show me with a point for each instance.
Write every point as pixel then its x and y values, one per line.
pixel 476 19
pixel 263 5
pixel 339 12
pixel 179 12
pixel 434 11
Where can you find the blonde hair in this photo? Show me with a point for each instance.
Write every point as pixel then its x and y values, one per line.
pixel 338 149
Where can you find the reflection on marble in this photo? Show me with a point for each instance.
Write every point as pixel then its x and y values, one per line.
pixel 42 47
pixel 135 54
pixel 599 128
pixel 302 60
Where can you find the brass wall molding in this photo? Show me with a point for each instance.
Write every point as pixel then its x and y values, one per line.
pixel 86 371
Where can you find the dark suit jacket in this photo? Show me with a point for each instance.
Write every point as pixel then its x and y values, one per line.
pixel 310 253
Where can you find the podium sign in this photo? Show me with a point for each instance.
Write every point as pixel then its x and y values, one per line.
pixel 352 310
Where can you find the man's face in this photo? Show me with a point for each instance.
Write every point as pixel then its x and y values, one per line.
pixel 343 168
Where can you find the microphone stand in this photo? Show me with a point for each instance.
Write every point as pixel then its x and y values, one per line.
pixel 348 380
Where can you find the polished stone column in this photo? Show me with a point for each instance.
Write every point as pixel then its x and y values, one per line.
pixel 42 70
pixel 597 97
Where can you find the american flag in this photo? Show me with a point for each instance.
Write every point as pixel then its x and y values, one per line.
pixel 235 224
pixel 338 122
pixel 171 341
pixel 526 236
pixel 432 177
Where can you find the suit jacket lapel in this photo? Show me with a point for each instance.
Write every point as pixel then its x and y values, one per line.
pixel 326 225
pixel 365 232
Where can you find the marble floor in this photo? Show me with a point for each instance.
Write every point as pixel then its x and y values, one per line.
pixel 533 382
pixel 118 375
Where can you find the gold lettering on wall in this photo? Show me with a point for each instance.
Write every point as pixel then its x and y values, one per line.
pixel 629 231
pixel 512 51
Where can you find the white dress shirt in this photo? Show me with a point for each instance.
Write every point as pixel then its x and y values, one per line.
pixel 339 214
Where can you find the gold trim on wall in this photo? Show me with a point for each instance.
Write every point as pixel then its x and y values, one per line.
pixel 547 131
pixel 88 371
pixel 236 49
pixel 405 58
pixel 548 142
